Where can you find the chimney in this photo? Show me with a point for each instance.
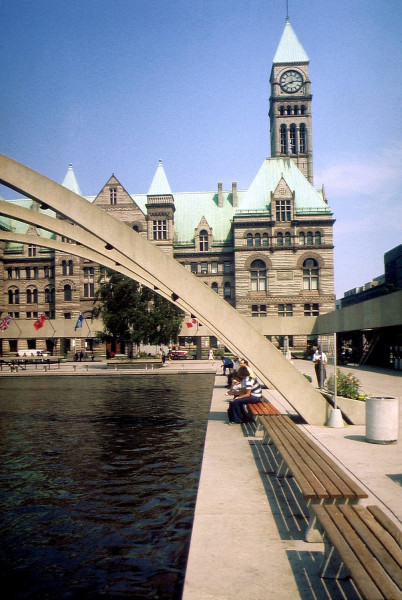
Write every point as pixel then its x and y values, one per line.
pixel 220 195
pixel 234 193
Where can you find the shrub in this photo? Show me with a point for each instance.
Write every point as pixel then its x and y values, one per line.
pixel 307 377
pixel 347 385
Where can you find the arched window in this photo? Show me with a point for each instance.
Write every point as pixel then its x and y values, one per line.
pixel 257 239
pixel 13 296
pixel 302 109
pixel 70 267
pixel 288 110
pixel 296 110
pixel 287 238
pixel 284 141
pixel 310 274
pixel 265 239
pixel 204 241
pixel 302 139
pixel 310 238
pixel 67 293
pixel 317 238
pixel 32 296
pixel 64 267
pixel 249 239
pixel 279 239
pixel 302 238
pixel 227 290
pixel 258 276
pixel 293 140
pixel 214 287
pixel 281 110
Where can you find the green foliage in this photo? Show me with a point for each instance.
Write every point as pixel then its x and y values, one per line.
pixel 132 312
pixel 307 377
pixel 347 385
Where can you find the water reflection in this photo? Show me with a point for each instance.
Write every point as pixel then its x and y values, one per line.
pixel 99 479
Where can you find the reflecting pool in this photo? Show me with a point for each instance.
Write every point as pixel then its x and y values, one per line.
pixel 99 477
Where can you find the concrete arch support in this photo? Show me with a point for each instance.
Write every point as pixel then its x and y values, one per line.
pixel 109 238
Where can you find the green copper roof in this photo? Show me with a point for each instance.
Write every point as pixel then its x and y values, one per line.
pixel 70 182
pixel 160 185
pixel 290 49
pixel 258 196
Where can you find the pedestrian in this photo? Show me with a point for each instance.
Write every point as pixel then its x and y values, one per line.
pixel 251 392
pixel 81 355
pixel 211 354
pixel 227 363
pixel 320 363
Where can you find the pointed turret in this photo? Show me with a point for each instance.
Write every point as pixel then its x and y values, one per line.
pixel 289 49
pixel 70 181
pixel 160 185
pixel 160 211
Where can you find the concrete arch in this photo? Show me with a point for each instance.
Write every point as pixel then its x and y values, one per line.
pixel 112 240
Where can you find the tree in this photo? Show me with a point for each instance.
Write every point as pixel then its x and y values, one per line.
pixel 133 313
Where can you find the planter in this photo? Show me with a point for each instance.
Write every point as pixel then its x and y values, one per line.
pixel 353 410
pixel 382 420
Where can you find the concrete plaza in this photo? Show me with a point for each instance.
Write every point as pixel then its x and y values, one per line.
pixel 247 541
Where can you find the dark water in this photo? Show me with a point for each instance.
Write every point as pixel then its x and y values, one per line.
pixel 98 484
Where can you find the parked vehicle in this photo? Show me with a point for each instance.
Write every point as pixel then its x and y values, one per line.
pixel 178 354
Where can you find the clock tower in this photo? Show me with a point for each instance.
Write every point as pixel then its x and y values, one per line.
pixel 290 104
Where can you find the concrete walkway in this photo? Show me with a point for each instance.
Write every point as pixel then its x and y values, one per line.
pixel 247 540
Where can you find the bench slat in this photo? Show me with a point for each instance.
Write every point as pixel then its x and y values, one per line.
pixel 309 485
pixel 332 483
pixel 387 524
pixel 347 551
pixel 375 572
pixel 338 475
pixel 379 541
pixel 339 483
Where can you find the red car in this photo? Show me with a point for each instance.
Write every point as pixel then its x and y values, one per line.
pixel 179 354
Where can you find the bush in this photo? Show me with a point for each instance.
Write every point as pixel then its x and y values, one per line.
pixel 347 385
pixel 307 377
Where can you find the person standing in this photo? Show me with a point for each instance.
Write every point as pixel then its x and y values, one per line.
pixel 211 355
pixel 320 363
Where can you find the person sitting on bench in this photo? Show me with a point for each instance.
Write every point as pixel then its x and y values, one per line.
pixel 251 393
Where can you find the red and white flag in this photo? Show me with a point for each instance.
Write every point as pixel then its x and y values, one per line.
pixel 191 323
pixel 39 322
pixel 4 323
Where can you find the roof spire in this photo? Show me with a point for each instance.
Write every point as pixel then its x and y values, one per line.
pixel 70 181
pixel 160 184
pixel 287 11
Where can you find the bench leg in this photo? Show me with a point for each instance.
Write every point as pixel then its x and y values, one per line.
pixel 312 534
pixel 332 566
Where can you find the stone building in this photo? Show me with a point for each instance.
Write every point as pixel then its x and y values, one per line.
pixel 267 250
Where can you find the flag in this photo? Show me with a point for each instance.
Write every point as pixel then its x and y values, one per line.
pixel 79 322
pixel 191 323
pixel 5 323
pixel 39 322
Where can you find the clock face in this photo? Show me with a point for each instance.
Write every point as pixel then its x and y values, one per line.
pixel 291 81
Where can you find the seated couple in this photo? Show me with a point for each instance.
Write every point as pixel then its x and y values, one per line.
pixel 245 389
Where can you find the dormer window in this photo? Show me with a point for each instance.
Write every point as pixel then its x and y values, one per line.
pixel 204 245
pixel 283 210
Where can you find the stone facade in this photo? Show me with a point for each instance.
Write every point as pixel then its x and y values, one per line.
pixel 268 250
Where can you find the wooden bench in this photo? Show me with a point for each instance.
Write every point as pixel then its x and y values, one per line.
pixel 319 478
pixel 365 544
pixel 261 409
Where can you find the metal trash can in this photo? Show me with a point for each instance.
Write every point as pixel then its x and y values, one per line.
pixel 382 419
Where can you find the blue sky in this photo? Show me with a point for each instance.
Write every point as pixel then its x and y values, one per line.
pixel 114 86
